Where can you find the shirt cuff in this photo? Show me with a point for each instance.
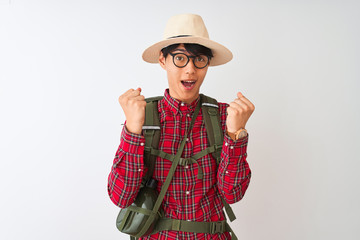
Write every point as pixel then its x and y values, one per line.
pixel 132 142
pixel 235 148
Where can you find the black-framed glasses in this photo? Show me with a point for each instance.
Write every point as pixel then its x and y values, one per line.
pixel 181 60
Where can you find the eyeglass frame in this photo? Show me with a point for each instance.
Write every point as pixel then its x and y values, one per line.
pixel 188 59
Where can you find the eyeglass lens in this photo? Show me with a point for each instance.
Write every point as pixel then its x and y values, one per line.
pixel 181 60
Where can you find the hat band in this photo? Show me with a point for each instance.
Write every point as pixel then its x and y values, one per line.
pixel 178 36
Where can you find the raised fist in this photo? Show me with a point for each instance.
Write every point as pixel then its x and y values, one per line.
pixel 239 112
pixel 133 105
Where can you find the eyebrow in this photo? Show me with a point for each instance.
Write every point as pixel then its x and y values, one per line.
pixel 181 50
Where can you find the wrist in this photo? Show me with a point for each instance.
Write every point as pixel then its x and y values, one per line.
pixel 133 129
pixel 238 134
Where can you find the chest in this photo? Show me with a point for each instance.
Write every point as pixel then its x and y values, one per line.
pixel 173 129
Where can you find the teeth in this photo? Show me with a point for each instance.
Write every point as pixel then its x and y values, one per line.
pixel 189 81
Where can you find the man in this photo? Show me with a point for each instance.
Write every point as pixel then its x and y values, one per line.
pixel 185 54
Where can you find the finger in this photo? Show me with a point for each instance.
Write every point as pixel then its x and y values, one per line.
pixel 242 103
pixel 230 110
pixel 128 92
pixel 125 95
pixel 247 101
pixel 236 107
pixel 139 98
pixel 135 92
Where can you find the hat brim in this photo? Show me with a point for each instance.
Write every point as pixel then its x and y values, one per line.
pixel 221 54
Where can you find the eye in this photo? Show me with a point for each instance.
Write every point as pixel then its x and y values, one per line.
pixel 179 58
pixel 200 59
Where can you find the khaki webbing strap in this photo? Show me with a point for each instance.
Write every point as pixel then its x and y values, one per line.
pixel 233 235
pixel 139 210
pixel 169 176
pixel 228 210
pixel 212 124
pixel 190 226
pixel 184 161
pixel 162 154
pixel 124 220
pixel 151 131
pixel 215 137
pixel 168 224
pixel 217 132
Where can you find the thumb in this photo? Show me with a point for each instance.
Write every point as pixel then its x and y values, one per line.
pixel 138 89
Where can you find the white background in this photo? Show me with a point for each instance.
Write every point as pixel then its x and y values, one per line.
pixel 63 65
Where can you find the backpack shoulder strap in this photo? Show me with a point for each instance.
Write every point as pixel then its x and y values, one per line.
pixel 151 131
pixel 210 111
pixel 211 115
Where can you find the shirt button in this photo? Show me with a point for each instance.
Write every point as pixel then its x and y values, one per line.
pixel 232 147
pixel 187 139
pixel 187 166
pixel 141 144
pixel 226 172
pixel 182 104
pixel 188 115
pixel 187 192
pixel 139 169
pixel 226 144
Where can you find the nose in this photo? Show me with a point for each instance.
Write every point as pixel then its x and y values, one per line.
pixel 190 67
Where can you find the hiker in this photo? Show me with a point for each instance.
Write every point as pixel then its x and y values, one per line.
pixel 192 207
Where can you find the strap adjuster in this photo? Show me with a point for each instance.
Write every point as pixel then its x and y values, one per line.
pixel 217 147
pixel 217 227
pixel 184 161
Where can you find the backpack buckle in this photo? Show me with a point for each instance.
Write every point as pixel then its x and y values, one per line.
pixel 184 161
pixel 217 147
pixel 217 227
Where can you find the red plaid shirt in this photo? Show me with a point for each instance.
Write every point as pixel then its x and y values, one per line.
pixel 187 197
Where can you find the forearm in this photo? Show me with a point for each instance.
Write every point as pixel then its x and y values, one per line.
pixel 127 171
pixel 234 173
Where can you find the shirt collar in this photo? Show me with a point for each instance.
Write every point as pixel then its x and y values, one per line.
pixel 176 105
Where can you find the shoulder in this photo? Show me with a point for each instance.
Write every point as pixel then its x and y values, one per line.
pixel 222 106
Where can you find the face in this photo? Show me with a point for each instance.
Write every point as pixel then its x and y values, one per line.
pixel 184 83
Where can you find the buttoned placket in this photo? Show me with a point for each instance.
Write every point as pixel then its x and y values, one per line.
pixel 186 114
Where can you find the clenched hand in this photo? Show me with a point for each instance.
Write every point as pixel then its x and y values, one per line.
pixel 239 112
pixel 133 105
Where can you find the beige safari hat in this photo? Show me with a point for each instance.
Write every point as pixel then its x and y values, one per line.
pixel 187 28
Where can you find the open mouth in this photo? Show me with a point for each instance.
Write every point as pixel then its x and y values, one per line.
pixel 188 84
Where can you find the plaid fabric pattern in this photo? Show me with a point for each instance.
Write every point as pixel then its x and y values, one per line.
pixel 187 198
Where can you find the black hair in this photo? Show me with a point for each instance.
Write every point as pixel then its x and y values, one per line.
pixel 193 48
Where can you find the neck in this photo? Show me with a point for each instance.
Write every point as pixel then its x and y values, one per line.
pixel 183 99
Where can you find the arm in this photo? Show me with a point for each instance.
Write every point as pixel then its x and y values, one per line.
pixel 128 169
pixel 234 173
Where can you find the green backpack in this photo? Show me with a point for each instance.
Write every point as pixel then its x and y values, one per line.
pixel 143 217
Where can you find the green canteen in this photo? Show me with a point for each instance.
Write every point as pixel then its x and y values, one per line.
pixel 132 219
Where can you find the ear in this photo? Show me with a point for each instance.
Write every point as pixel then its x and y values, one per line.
pixel 162 61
